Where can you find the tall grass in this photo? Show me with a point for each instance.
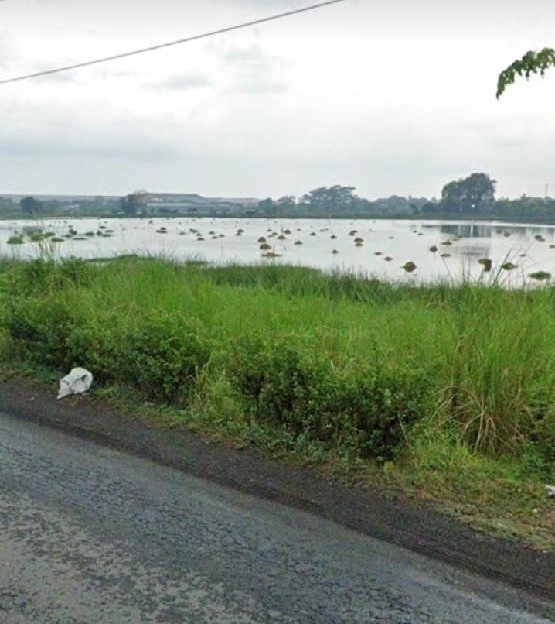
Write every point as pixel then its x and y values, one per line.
pixel 337 360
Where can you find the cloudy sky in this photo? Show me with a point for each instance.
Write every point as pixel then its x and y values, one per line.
pixel 389 96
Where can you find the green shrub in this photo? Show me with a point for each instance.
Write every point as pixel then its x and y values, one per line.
pixel 292 385
pixel 94 344
pixel 39 327
pixel 162 354
pixel 159 354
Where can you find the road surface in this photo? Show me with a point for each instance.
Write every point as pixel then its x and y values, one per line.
pixel 92 535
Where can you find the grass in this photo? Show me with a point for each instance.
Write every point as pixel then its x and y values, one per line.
pixel 444 391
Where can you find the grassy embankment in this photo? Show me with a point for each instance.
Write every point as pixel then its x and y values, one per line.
pixel 446 392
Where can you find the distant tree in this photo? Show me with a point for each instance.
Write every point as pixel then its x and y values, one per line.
pixel 430 207
pixel 6 203
pixel 267 206
pixel 531 63
pixel 30 205
pixel 393 204
pixel 473 194
pixel 287 201
pixel 330 199
pixel 529 208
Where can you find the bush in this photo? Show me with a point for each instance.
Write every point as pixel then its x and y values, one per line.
pixel 290 384
pixel 40 327
pixel 93 344
pixel 159 354
pixel 162 355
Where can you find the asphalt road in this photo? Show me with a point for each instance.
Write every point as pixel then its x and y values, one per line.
pixel 92 535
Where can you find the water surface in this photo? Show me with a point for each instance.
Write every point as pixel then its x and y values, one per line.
pixel 439 250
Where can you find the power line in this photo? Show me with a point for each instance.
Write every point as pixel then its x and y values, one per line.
pixel 168 44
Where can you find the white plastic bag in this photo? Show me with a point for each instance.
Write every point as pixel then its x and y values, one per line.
pixel 78 381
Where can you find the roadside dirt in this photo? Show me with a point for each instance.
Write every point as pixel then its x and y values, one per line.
pixel 417 526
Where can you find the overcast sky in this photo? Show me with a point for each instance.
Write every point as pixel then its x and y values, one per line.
pixel 389 96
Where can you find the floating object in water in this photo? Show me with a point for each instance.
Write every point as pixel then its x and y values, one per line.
pixel 287 232
pixel 78 381
pixel 539 238
pixel 445 255
pixel 409 266
pixel 378 253
pixel 540 275
pixel 265 246
pixel 240 231
pixel 270 254
pixel 447 242
pixel 359 240
pixel 334 251
pixel 508 266
pixel 333 236
pixel 433 248
pixel 353 233
pixel 486 263
pixel 261 240
pixel 388 258
pixel 282 237
pixel 298 242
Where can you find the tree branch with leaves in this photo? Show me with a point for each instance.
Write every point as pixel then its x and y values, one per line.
pixel 531 63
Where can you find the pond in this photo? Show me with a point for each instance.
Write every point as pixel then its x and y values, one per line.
pixel 394 250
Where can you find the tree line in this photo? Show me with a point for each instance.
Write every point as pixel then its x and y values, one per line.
pixel 470 197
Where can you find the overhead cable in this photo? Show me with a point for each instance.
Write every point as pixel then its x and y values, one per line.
pixel 168 44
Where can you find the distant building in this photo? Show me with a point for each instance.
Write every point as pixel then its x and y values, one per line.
pixel 190 203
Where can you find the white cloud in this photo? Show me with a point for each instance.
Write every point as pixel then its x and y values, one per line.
pixel 392 96
pixel 184 81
